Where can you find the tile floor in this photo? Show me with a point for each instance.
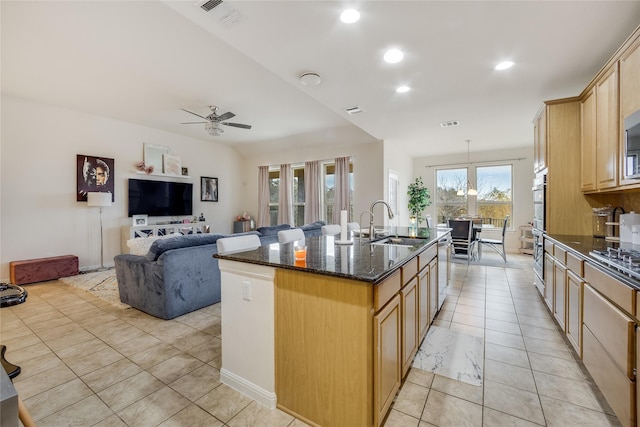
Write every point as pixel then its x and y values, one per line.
pixel 85 362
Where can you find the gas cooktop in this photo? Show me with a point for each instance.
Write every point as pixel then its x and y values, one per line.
pixel 624 260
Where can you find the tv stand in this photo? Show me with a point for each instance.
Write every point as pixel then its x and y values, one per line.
pixel 154 230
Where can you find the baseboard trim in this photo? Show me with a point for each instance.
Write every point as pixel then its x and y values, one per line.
pixel 255 392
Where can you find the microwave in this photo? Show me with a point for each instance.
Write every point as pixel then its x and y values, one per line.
pixel 632 145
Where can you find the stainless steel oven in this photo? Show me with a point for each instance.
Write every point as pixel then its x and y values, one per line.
pixel 539 223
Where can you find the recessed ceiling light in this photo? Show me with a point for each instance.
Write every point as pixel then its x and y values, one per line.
pixel 350 16
pixel 504 65
pixel 403 89
pixel 393 56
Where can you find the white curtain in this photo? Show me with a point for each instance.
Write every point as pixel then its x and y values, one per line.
pixel 285 205
pixel 341 201
pixel 263 196
pixel 311 192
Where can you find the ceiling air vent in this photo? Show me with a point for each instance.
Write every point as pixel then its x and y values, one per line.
pixel 353 110
pixel 449 123
pixel 207 6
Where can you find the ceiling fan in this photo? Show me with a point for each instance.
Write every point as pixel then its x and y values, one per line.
pixel 213 121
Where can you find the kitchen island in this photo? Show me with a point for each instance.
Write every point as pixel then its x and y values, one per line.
pixel 329 339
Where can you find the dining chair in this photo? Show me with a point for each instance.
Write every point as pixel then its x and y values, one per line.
pixel 353 226
pixel 229 245
pixel 462 237
pixel 428 220
pixel 292 235
pixel 330 229
pixel 495 244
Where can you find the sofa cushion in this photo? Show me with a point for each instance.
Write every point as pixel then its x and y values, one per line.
pixel 163 245
pixel 313 226
pixel 273 230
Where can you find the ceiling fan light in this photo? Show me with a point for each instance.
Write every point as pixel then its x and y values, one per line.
pixel 393 56
pixel 472 192
pixel 350 16
pixel 460 192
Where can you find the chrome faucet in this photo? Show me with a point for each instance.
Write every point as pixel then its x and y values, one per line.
pixel 389 211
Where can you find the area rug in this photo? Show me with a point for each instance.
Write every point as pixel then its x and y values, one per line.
pixel 102 284
pixel 452 354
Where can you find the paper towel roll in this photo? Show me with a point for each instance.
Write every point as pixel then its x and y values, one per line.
pixel 343 225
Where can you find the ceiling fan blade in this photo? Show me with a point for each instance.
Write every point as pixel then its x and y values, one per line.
pixel 192 123
pixel 195 114
pixel 226 116
pixel 237 125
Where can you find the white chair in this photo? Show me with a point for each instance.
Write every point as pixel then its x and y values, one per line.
pixel 353 226
pixel 495 244
pixel 331 229
pixel 292 235
pixel 230 245
pixel 429 222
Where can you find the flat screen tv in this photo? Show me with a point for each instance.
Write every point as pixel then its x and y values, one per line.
pixel 160 198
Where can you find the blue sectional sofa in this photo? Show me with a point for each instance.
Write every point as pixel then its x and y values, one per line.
pixel 179 274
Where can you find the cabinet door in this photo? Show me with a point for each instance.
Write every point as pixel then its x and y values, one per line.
pixel 548 280
pixel 540 141
pixel 410 327
pixel 423 306
pixel 559 292
pixel 629 91
pixel 607 123
pixel 574 310
pixel 433 289
pixel 588 141
pixel 387 357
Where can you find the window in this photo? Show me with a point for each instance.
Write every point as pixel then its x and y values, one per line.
pixel 448 203
pixel 328 191
pixel 298 195
pixel 495 200
pixel 274 194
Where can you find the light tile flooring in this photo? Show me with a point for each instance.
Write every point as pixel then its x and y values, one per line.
pixel 87 363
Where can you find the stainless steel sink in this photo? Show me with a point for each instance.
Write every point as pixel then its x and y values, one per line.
pixel 400 241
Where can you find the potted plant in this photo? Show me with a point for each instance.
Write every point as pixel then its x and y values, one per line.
pixel 419 198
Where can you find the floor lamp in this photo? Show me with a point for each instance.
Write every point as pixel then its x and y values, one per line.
pixel 99 200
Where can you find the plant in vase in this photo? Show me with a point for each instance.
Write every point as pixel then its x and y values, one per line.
pixel 419 199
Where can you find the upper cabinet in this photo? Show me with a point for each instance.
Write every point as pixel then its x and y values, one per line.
pixel 588 141
pixel 540 141
pixel 629 96
pixel 607 122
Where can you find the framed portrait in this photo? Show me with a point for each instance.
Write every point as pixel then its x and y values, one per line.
pixel 140 219
pixel 94 174
pixel 208 189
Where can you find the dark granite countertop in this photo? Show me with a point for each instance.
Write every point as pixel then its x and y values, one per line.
pixel 359 261
pixel 582 245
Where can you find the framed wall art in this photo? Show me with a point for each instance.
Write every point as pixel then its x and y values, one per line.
pixel 94 174
pixel 208 189
pixel 140 219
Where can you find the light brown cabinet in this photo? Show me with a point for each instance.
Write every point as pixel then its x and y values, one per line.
pixel 608 353
pixel 629 64
pixel 559 292
pixel 410 323
pixel 423 295
pixel 540 141
pixel 387 357
pixel 588 141
pixel 575 286
pixel 549 281
pixel 607 124
pixel 433 289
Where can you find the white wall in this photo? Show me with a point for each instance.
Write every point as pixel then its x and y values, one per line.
pixel 367 154
pixel 399 162
pixel 522 182
pixel 39 214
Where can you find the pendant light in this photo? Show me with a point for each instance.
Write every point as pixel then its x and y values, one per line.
pixel 470 191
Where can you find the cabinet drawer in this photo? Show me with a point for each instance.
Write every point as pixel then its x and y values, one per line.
pixel 614 385
pixel 615 290
pixel 548 246
pixel 611 327
pixel 426 256
pixel 409 270
pixel 575 264
pixel 384 291
pixel 560 254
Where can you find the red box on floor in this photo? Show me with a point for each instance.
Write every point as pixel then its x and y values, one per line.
pixel 41 269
